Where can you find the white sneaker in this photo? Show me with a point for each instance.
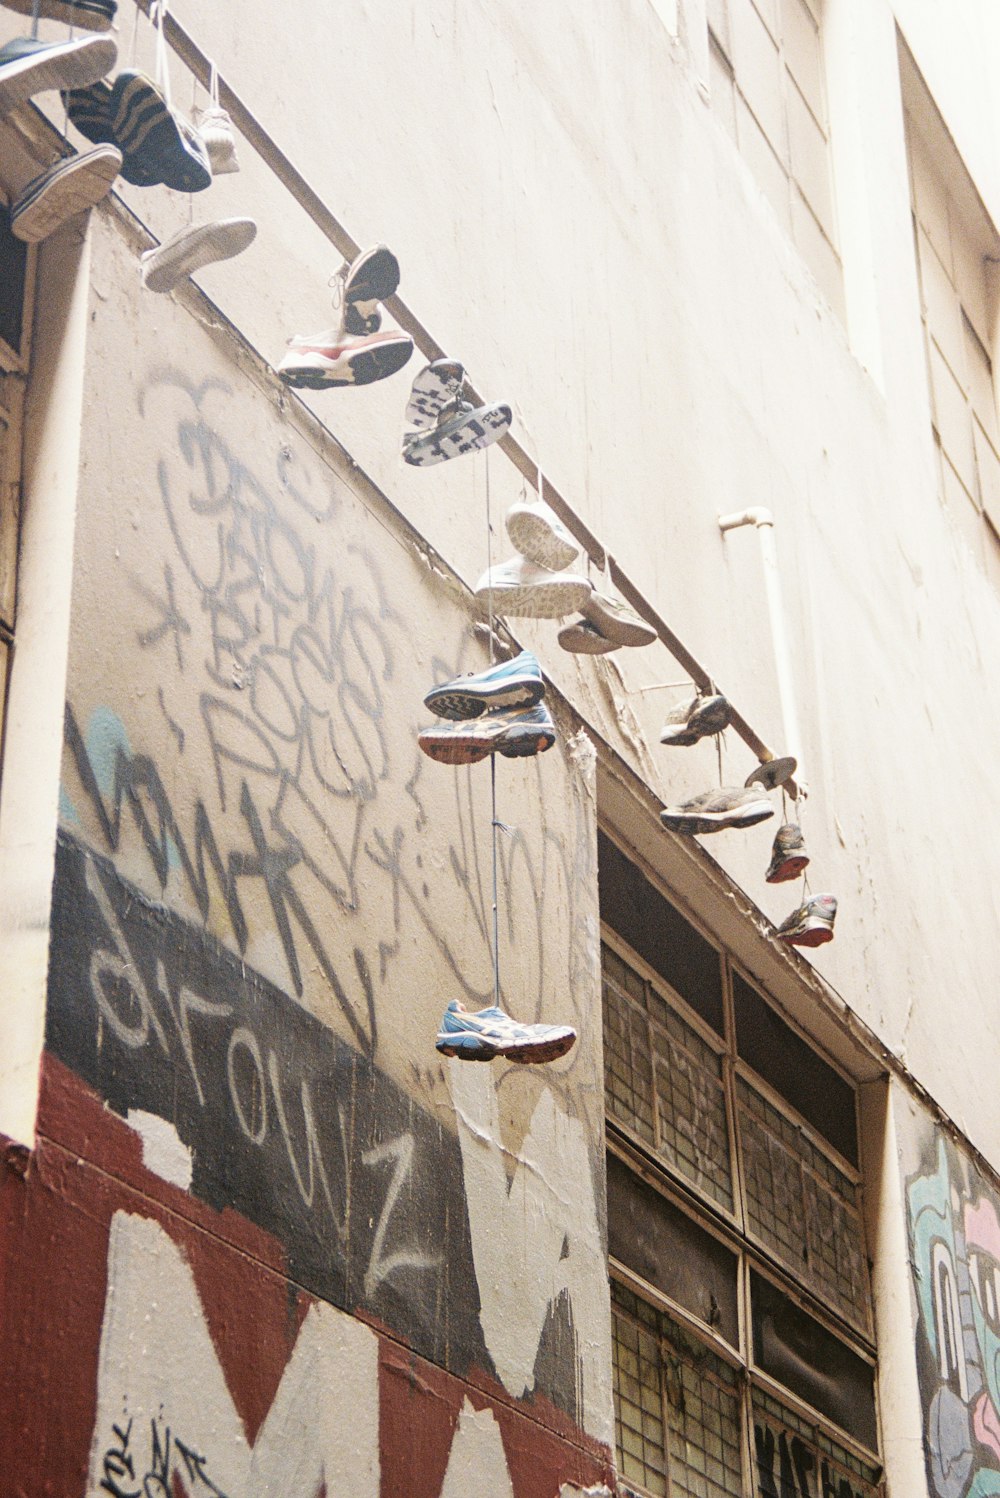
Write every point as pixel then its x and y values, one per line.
pixel 216 130
pixel 519 587
pixel 538 534
pixel 195 247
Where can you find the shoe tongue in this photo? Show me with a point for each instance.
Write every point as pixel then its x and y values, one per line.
pixel 493 1012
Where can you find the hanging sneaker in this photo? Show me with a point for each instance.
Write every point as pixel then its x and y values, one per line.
pixel 92 15
pixel 514 732
pixel 29 66
pixel 193 248
pixel 316 361
pixel 714 811
pixel 158 144
pixel 461 428
pixel 90 111
pixel 771 773
pixel 616 621
pixel 584 638
pixel 369 279
pixel 695 719
pixel 437 385
pixel 514 683
pixel 812 924
pixel 218 137
pixel 538 534
pixel 788 854
pixel 519 587
pixel 66 189
pixel 487 1033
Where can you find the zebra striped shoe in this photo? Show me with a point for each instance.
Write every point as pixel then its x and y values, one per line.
pixel 90 111
pixel 158 145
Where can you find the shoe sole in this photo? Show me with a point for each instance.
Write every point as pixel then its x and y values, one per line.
pixel 789 868
pixel 702 822
pixel 814 933
pixel 164 267
pixel 460 704
pixel 619 631
pixel 534 537
pixel 376 279
pixel 73 188
pixel 517 742
pixel 358 367
pixel 580 641
pixel 152 139
pixel 462 434
pixel 91 17
pixel 434 388
pixel 76 64
pixel 538 600
pixel 471 1047
pixel 90 111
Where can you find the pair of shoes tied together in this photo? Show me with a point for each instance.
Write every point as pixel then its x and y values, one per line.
pixel 496 711
pixel 446 424
pixel 355 351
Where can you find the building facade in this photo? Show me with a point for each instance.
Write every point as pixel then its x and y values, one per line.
pixel 722 258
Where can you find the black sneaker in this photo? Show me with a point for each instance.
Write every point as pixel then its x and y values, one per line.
pixel 714 811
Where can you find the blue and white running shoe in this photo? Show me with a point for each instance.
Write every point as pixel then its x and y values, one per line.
pixel 490 1032
pixel 516 683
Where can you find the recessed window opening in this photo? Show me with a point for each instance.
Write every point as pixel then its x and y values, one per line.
pixel 958 252
pixel 767 80
pixel 743 1340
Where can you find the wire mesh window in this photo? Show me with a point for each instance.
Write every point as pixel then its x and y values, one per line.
pixel 751 1136
pixel 801 1206
pixel 787 1445
pixel 663 1081
pixel 670 1389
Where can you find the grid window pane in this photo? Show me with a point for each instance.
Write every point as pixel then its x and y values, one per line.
pixel 664 1081
pixel 784 1441
pixel 663 1375
pixel 802 1207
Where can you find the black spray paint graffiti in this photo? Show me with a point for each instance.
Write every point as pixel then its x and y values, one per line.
pixel 279 677
pixel 286 1124
pixel 151 1472
pixel 788 1468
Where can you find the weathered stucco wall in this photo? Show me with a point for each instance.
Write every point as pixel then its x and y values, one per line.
pixel 265 895
pixel 573 221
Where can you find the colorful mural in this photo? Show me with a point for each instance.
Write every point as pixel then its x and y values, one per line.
pixel 954 1226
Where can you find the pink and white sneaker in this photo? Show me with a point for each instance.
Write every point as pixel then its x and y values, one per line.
pixel 314 361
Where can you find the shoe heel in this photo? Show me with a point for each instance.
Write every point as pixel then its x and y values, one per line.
pixel 467 1047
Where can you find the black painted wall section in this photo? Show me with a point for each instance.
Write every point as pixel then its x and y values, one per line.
pixel 287 1124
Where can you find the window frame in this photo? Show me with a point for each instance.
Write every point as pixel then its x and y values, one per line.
pixel 14 370
pixel 731 1227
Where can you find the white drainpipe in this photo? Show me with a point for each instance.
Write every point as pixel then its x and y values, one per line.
pixel 763 521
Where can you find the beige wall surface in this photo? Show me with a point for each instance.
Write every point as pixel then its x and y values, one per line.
pixel 574 223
